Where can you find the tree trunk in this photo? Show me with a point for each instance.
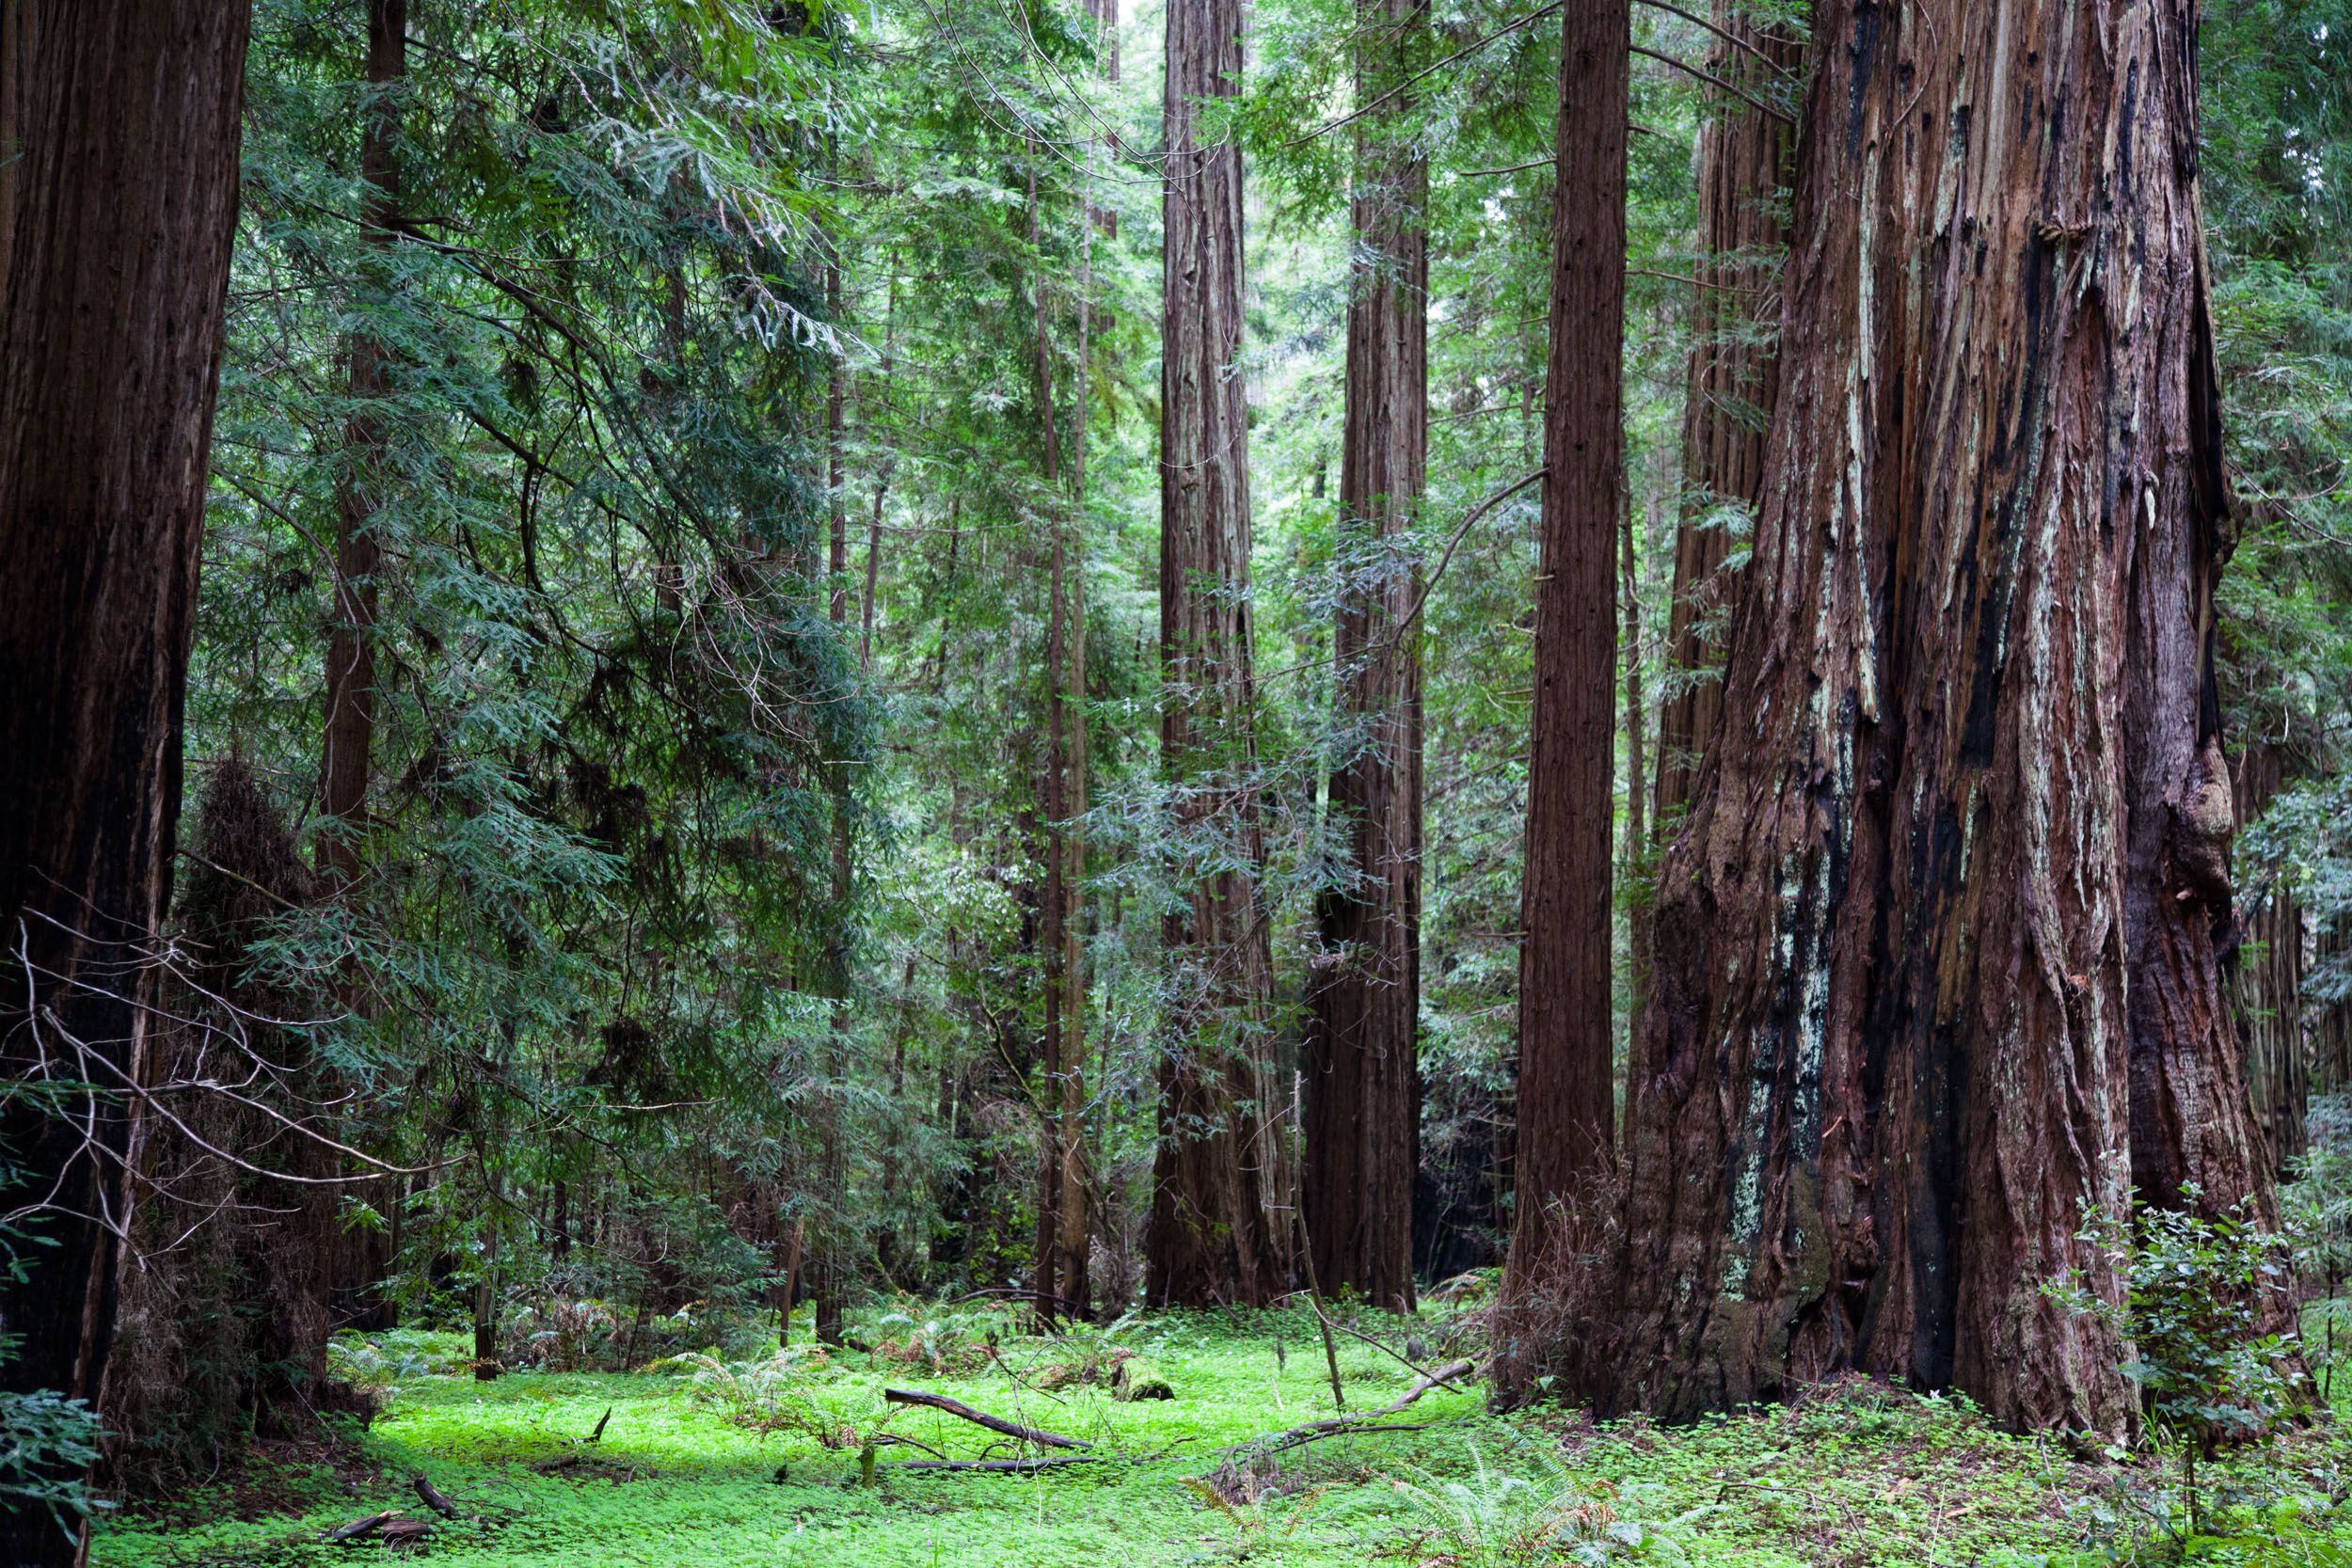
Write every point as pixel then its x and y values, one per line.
pixel 2264 968
pixel 1356 1179
pixel 1887 1056
pixel 1061 1278
pixel 828 1265
pixel 350 728
pixel 1212 1238
pixel 361 1259
pixel 1734 380
pixel 118 203
pixel 1567 1113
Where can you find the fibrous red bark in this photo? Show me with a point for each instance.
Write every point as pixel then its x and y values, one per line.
pixel 1734 379
pixel 1566 1111
pixel 1212 1238
pixel 1355 1177
pixel 1906 945
pixel 117 201
pixel 2264 968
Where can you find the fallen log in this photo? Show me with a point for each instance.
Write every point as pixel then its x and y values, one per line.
pixel 998 1466
pixel 981 1417
pixel 597 1435
pixel 1369 1421
pixel 368 1526
pixel 431 1498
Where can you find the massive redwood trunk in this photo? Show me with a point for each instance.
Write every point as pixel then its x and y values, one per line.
pixel 1356 1180
pixel 1887 1057
pixel 1212 1238
pixel 1734 379
pixel 1567 1114
pixel 117 199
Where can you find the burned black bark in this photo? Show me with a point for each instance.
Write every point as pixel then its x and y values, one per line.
pixel 1887 1055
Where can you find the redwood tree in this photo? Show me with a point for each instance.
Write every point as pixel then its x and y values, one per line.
pixel 1567 1116
pixel 1885 1058
pixel 1212 1238
pixel 117 199
pixel 1356 1181
pixel 1743 161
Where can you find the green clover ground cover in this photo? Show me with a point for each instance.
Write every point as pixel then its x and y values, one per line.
pixel 1858 1474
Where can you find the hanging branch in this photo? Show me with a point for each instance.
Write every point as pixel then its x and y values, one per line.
pixel 1712 79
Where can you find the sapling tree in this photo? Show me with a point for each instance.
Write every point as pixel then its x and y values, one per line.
pixel 2198 1289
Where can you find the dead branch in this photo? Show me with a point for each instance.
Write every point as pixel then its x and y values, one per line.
pixel 998 1466
pixel 432 1497
pixel 365 1526
pixel 980 1417
pixel 1275 1442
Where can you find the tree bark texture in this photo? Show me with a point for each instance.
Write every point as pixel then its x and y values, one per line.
pixel 1211 1239
pixel 1567 1108
pixel 1888 1056
pixel 350 727
pixel 1360 1107
pixel 2264 969
pixel 1734 378
pixel 348 755
pixel 1061 1266
pixel 830 1260
pixel 117 202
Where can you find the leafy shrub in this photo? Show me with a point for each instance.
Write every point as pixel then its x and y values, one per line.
pixel 2198 1290
pixel 46 1440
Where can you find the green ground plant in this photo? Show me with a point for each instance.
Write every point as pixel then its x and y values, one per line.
pixel 1853 1473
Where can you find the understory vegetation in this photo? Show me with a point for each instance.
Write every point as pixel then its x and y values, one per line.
pixel 1476 783
pixel 704 1461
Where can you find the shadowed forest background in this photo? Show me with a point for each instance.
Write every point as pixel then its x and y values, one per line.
pixel 956 781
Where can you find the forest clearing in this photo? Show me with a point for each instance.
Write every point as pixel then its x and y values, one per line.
pixel 1484 784
pixel 683 1473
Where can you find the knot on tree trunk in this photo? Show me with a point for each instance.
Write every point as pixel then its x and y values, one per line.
pixel 2203 831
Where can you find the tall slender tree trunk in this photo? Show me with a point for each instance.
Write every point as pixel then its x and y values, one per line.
pixel 1065 983
pixel 1567 1108
pixel 361 1259
pixel 2264 968
pixel 1066 997
pixel 1212 1237
pixel 1888 1053
pixel 1734 380
pixel 117 202
pixel 1356 1177
pixel 831 1251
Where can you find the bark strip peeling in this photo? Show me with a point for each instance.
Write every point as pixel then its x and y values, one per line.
pixel 1904 948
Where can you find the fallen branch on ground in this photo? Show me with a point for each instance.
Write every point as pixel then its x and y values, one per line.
pixel 981 1417
pixel 1369 1421
pixel 434 1500
pixel 368 1526
pixel 999 1466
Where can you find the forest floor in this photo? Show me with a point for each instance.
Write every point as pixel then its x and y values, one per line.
pixel 1858 1474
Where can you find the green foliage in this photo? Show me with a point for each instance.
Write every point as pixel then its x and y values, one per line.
pixel 2201 1292
pixel 44 1439
pixel 1533 1511
pixel 1854 1473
